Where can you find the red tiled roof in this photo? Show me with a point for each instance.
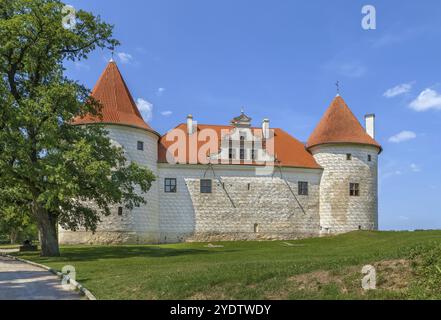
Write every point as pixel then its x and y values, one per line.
pixel 118 106
pixel 339 125
pixel 289 151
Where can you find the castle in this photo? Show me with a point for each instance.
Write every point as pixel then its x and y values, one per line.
pixel 238 182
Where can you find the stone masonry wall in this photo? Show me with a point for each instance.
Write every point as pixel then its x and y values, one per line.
pixel 249 207
pixel 340 212
pixel 140 225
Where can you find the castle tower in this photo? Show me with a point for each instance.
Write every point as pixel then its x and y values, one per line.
pixel 128 130
pixel 349 157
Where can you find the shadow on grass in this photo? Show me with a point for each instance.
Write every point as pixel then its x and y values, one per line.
pixel 93 253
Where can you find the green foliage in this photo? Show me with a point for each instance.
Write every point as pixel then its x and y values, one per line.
pixel 53 168
pixel 426 262
pixel 15 227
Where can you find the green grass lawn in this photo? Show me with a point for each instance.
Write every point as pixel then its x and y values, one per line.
pixel 322 268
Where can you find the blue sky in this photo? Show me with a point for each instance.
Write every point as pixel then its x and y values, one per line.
pixel 281 60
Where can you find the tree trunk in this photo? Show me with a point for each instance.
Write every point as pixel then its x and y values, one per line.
pixel 13 237
pixel 47 225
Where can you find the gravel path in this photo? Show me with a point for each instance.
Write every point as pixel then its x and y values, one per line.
pixel 20 281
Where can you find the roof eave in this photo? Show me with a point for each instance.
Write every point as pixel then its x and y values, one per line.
pixel 380 148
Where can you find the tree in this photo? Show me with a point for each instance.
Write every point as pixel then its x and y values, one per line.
pixel 66 175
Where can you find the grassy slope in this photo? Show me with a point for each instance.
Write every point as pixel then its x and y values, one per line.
pixel 240 270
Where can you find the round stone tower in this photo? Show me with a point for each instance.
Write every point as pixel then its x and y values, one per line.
pixel 128 130
pixel 349 183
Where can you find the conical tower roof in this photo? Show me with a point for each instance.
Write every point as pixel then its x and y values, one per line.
pixel 118 106
pixel 339 125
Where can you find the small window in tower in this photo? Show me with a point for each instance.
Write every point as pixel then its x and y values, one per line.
pixel 256 228
pixel 206 186
pixel 170 185
pixel 303 188
pixel 348 156
pixel 140 146
pixel 369 158
pixel 120 211
pixel 354 189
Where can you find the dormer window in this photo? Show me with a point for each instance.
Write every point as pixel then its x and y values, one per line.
pixel 242 147
pixel 253 154
pixel 140 146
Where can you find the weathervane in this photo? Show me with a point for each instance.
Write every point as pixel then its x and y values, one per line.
pixel 337 84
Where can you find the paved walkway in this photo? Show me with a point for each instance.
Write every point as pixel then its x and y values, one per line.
pixel 20 281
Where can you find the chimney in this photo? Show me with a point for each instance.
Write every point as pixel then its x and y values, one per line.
pixel 370 125
pixel 190 124
pixel 266 128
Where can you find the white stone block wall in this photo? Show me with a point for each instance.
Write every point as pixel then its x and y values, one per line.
pixel 252 207
pixel 340 212
pixel 140 225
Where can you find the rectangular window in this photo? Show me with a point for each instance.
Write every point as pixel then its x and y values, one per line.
pixel 170 185
pixel 354 189
pixel 303 188
pixel 369 158
pixel 348 156
pixel 120 211
pixel 140 146
pixel 253 154
pixel 206 186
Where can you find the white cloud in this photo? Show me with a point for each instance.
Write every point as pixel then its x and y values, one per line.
pixel 160 92
pixel 404 218
pixel 415 168
pixel 146 108
pixel 428 99
pixel 403 136
pixel 166 113
pixel 81 65
pixel 398 90
pixel 352 70
pixel 124 57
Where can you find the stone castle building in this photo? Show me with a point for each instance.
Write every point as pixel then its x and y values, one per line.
pixel 248 183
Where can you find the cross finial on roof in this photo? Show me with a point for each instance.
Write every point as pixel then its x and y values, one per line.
pixel 242 110
pixel 337 84
pixel 111 59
